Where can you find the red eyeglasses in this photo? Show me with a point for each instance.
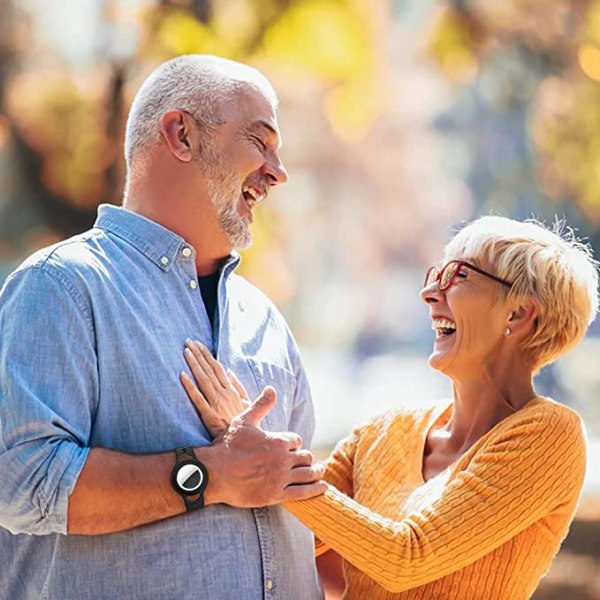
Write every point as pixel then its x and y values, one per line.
pixel 448 273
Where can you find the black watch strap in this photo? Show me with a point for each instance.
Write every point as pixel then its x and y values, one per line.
pixel 189 478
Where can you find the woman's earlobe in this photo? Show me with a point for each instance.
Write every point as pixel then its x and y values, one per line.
pixel 523 318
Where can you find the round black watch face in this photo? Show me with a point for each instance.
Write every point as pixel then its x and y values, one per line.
pixel 189 477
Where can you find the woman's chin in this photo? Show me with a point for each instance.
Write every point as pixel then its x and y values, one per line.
pixel 444 364
pixel 440 357
pixel 437 361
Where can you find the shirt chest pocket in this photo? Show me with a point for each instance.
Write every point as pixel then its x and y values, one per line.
pixel 284 382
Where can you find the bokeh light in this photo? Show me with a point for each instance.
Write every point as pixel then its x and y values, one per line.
pixel 401 119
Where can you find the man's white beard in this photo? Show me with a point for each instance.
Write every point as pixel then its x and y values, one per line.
pixel 224 190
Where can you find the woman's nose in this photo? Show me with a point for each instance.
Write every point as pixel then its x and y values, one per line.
pixel 430 293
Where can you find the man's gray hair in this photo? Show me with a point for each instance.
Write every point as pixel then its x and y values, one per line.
pixel 196 83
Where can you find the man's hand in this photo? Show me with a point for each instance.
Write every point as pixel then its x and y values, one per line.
pixel 249 467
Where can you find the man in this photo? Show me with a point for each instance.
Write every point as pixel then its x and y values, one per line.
pixel 98 441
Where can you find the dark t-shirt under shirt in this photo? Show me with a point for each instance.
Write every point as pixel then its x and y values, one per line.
pixel 208 289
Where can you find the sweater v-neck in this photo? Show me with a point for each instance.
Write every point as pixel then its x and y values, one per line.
pixel 438 416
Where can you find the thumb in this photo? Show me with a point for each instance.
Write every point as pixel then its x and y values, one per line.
pixel 260 408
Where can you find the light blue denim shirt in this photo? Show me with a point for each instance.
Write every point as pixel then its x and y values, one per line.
pixel 92 333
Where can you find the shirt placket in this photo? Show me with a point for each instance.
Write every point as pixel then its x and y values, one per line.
pixel 267 550
pixel 185 260
pixel 222 302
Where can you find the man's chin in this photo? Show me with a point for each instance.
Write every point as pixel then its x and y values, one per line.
pixel 236 230
pixel 244 245
pixel 241 240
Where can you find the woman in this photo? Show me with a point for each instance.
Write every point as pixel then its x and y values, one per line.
pixel 472 497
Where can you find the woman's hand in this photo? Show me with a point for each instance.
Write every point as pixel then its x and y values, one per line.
pixel 217 394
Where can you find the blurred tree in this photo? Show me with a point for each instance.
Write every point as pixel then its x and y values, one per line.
pixel 529 72
pixel 67 126
pixel 522 130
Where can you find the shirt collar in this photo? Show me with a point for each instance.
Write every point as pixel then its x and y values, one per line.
pixel 159 244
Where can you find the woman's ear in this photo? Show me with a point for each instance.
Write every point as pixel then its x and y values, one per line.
pixel 522 318
pixel 175 127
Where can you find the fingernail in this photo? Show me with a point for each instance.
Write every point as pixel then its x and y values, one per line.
pixel 183 374
pixel 188 341
pixel 187 351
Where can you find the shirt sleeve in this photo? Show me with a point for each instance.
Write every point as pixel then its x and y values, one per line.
pixel 48 390
pixel 522 475
pixel 302 417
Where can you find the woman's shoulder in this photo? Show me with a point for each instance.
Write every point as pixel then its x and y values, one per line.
pixel 546 413
pixel 407 416
pixel 544 424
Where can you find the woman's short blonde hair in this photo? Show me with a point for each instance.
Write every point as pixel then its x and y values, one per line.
pixel 551 266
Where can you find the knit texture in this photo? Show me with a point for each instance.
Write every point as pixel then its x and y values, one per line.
pixel 486 527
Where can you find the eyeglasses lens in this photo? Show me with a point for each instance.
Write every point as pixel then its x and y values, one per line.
pixel 431 276
pixel 448 273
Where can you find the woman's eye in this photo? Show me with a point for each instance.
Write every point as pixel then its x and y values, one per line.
pixel 462 274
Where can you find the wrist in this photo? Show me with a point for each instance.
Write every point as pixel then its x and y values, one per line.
pixel 209 455
pixel 189 478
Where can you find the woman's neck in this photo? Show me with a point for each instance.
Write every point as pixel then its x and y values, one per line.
pixel 480 403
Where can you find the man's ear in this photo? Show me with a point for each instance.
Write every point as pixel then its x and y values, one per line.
pixel 176 129
pixel 522 317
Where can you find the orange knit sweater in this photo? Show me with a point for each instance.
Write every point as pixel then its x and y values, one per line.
pixel 486 527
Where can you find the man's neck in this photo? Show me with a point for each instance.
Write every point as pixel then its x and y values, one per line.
pixel 168 193
pixel 199 229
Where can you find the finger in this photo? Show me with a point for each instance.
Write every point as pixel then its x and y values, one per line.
pixel 301 475
pixel 214 364
pixel 302 458
pixel 196 396
pixel 200 375
pixel 292 440
pixel 237 384
pixel 305 491
pixel 260 408
pixel 214 424
pixel 196 349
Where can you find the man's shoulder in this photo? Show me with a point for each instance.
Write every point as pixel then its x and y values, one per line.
pixel 65 265
pixel 66 256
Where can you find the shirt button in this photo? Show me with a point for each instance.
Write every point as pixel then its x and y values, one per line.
pixel 187 252
pixel 164 260
pixel 193 284
pixel 269 584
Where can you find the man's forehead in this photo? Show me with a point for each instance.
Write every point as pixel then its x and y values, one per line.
pixel 269 126
pixel 253 111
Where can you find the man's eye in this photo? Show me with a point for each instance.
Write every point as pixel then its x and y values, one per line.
pixel 260 144
pixel 462 274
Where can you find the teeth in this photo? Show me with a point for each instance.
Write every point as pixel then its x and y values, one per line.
pixel 443 324
pixel 256 195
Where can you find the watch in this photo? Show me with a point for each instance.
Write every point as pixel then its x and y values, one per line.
pixel 189 478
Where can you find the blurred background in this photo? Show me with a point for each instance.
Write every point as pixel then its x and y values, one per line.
pixel 401 119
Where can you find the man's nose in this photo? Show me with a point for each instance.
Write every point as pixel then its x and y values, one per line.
pixel 276 171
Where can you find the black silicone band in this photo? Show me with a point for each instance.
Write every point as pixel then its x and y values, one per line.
pixel 185 456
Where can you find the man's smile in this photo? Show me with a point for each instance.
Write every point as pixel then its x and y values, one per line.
pixel 253 195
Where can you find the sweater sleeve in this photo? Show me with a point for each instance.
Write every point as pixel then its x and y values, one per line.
pixel 519 476
pixel 339 466
pixel 338 473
